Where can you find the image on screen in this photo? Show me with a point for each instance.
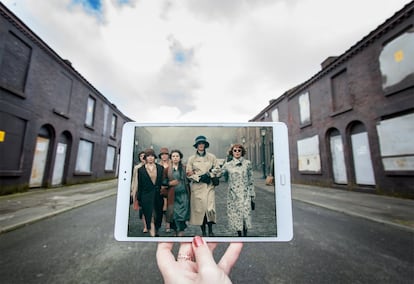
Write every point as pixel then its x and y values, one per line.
pixel 223 191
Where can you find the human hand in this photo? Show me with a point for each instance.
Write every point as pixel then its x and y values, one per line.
pixel 195 262
pixel 174 182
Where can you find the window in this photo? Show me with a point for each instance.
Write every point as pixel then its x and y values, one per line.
pixel 14 64
pixel 396 136
pixel 308 155
pixel 275 115
pixel 396 62
pixel 304 109
pixel 63 91
pixel 110 158
pixel 90 112
pixel 12 129
pixel 84 158
pixel 113 125
pixel 341 100
pixel 105 120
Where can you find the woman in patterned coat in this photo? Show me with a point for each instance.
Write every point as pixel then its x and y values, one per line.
pixel 241 195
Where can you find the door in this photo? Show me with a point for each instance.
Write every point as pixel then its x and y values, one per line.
pixel 338 160
pixel 39 162
pixel 361 153
pixel 59 166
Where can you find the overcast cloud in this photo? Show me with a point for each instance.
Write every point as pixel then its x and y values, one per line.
pixel 204 60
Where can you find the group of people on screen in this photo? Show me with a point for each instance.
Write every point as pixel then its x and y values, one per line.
pixel 185 194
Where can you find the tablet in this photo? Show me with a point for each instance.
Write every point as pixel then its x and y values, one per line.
pixel 224 181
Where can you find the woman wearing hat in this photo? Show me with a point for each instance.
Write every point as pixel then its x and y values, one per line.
pixel 200 168
pixel 149 197
pixel 241 195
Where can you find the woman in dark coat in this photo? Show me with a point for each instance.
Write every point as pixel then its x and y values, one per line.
pixel 178 212
pixel 149 197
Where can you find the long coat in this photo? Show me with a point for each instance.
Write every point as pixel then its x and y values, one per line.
pixel 203 198
pixel 168 174
pixel 149 196
pixel 240 193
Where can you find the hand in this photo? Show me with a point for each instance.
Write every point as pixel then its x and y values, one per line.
pixel 195 262
pixel 205 178
pixel 174 182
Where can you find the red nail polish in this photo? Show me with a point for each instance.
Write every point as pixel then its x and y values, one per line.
pixel 198 241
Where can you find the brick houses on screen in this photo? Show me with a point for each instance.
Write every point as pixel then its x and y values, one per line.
pixel 55 127
pixel 351 125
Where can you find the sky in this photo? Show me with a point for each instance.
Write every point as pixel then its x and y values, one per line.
pixel 199 61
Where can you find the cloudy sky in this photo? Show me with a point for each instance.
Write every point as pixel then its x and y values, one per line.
pixel 199 60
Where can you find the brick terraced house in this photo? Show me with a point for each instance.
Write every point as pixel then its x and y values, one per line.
pixel 351 125
pixel 55 127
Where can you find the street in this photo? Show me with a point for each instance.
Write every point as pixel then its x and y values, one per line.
pixel 263 216
pixel 328 247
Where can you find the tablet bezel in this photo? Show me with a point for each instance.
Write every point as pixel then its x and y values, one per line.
pixel 282 183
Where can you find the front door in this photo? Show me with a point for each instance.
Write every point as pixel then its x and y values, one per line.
pixel 59 166
pixel 39 162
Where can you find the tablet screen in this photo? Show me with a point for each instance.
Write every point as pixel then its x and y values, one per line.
pixel 221 181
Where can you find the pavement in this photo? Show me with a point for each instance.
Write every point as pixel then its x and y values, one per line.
pixel 21 209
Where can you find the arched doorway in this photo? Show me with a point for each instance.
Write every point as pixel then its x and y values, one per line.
pixel 61 156
pixel 337 157
pixel 41 156
pixel 361 154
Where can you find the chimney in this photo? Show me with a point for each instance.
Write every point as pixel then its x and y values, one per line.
pixel 328 61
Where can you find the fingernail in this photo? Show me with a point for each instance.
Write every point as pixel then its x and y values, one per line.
pixel 198 241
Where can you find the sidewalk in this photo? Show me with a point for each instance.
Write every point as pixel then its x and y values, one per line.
pixel 398 212
pixel 20 209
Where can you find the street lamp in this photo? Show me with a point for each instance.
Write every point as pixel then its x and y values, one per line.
pixel 243 139
pixel 136 158
pixel 263 134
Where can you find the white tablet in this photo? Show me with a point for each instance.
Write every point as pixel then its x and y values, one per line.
pixel 206 179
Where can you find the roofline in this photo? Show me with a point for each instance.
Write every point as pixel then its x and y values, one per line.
pixel 405 12
pixel 22 27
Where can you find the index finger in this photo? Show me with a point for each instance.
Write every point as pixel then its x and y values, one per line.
pixel 230 257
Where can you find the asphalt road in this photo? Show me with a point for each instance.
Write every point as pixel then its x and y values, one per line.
pixel 328 247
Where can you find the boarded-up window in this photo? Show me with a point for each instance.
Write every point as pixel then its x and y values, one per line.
pixel 341 99
pixel 90 111
pixel 84 158
pixel 308 155
pixel 304 108
pixel 63 91
pixel 110 158
pixel 396 63
pixel 12 130
pixel 14 64
pixel 396 137
pixel 113 125
pixel 275 115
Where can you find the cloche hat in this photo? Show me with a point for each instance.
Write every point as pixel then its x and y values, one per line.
pixel 163 151
pixel 201 139
pixel 149 152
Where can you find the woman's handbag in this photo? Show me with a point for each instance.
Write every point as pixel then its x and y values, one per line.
pixel 270 180
pixel 215 181
pixel 136 205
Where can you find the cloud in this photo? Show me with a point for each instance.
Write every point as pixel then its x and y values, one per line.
pixel 204 60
